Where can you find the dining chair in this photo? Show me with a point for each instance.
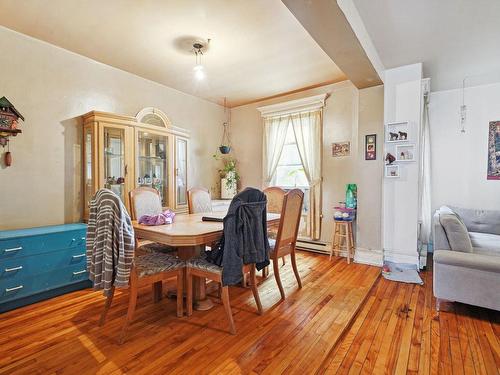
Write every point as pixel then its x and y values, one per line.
pixel 199 200
pixel 286 238
pixel 110 261
pixel 275 196
pixel 200 267
pixel 147 201
pixel 149 269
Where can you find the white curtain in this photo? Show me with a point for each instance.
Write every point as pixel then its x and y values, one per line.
pixel 307 130
pixel 274 139
pixel 425 176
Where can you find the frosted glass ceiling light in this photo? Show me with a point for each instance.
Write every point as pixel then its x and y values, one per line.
pixel 199 70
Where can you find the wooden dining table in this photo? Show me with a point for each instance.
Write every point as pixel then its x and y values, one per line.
pixel 190 235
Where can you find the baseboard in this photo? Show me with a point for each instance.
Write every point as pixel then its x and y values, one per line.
pixel 314 246
pixel 361 255
pixel 397 257
pixel 370 257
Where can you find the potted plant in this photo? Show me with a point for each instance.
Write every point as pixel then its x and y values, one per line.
pixel 229 177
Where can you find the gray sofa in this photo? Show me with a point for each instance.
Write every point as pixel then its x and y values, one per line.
pixel 467 256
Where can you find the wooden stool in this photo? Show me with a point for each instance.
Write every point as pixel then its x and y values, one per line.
pixel 342 238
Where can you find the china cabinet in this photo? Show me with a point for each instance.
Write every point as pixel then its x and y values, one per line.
pixel 121 153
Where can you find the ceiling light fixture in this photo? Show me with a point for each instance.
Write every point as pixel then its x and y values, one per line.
pixel 199 70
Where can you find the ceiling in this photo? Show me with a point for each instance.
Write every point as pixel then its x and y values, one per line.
pixel 258 48
pixel 453 38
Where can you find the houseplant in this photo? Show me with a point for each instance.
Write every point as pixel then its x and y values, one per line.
pixel 229 177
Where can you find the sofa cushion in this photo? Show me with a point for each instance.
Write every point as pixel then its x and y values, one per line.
pixel 485 241
pixel 468 260
pixel 457 234
pixel 483 221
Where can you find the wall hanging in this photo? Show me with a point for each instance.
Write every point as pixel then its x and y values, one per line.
pixel 371 147
pixel 9 126
pixel 494 151
pixel 340 149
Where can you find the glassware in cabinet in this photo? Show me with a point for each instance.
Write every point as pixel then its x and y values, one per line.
pixel 152 162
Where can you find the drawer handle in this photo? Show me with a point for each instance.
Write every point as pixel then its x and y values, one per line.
pixel 78 256
pixel 13 249
pixel 7 290
pixel 79 272
pixel 14 269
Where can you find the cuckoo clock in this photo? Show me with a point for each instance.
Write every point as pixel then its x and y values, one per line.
pixel 9 125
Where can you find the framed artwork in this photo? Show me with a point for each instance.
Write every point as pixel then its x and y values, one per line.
pixel 371 147
pixel 341 149
pixel 392 171
pixel 494 151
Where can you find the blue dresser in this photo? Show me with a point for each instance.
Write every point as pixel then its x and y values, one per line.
pixel 39 263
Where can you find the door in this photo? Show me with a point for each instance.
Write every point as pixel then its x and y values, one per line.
pixel 116 157
pixel 181 154
pixel 152 162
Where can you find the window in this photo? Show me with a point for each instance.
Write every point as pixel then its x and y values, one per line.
pixel 290 174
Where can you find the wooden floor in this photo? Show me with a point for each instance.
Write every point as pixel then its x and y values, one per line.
pixel 345 319
pixel 398 331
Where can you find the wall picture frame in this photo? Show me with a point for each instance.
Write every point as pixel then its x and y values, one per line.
pixel 340 149
pixel 371 147
pixel 494 151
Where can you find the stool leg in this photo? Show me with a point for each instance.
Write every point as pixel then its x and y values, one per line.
pixel 333 240
pixel 353 246
pixel 348 243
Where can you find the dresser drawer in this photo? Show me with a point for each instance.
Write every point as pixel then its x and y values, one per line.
pixel 14 289
pixel 38 244
pixel 23 267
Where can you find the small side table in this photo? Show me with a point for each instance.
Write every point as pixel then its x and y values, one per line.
pixel 342 238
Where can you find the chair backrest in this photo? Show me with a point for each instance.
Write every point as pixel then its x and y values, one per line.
pixel 275 196
pixel 289 223
pixel 199 200
pixel 144 201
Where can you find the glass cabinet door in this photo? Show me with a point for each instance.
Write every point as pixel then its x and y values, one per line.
pixel 152 166
pixel 88 166
pixel 115 167
pixel 181 171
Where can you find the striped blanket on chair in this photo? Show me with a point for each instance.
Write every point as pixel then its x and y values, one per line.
pixel 110 242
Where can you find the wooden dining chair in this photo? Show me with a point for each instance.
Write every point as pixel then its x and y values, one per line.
pixel 147 201
pixel 275 196
pixel 286 238
pixel 200 267
pixel 149 269
pixel 199 200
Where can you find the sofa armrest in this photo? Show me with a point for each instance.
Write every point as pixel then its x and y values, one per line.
pixel 489 263
pixel 439 239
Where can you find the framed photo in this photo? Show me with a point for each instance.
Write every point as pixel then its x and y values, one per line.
pixel 494 151
pixel 341 149
pixel 392 171
pixel 371 147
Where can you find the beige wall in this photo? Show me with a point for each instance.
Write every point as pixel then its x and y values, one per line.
pixel 52 87
pixel 349 115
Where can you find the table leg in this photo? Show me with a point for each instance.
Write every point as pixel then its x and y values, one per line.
pixel 201 302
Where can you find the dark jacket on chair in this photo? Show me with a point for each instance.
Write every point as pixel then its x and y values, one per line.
pixel 245 236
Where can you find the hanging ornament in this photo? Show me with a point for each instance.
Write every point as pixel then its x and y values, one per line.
pixel 8 157
pixel 225 144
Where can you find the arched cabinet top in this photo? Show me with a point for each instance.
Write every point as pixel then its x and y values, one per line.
pixel 153 116
pixel 148 118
